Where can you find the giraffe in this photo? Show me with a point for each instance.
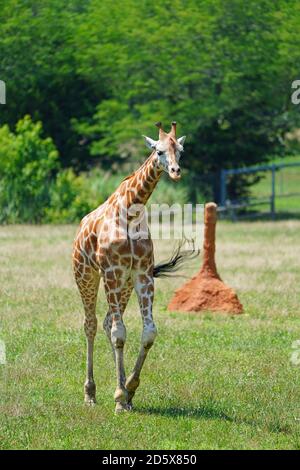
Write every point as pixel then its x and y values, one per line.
pixel 104 249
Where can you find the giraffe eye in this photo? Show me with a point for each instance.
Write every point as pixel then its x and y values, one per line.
pixel 159 153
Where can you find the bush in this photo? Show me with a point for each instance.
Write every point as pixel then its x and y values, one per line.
pixel 66 203
pixel 73 196
pixel 27 169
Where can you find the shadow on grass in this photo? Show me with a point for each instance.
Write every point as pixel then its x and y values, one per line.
pixel 209 412
pixel 201 412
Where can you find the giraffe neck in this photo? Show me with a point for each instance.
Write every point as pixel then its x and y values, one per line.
pixel 139 186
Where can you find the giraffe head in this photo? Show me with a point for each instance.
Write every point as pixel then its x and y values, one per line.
pixel 167 150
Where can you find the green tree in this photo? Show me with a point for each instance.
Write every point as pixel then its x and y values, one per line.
pixel 220 68
pixel 37 63
pixel 100 73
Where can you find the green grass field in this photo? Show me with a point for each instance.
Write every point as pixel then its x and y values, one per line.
pixel 287 189
pixel 210 381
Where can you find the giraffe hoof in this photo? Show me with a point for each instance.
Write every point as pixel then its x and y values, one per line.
pixel 129 406
pixel 130 396
pixel 121 407
pixel 89 401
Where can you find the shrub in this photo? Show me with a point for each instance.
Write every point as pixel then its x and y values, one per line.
pixel 71 198
pixel 74 196
pixel 27 165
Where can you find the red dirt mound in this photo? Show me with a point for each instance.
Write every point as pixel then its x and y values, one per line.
pixel 205 293
pixel 206 290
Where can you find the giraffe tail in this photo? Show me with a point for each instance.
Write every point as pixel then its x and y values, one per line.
pixel 177 260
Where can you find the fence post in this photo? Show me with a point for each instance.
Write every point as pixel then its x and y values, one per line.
pixel 2 92
pixel 273 192
pixel 223 188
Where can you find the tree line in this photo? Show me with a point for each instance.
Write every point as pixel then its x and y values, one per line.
pixel 98 74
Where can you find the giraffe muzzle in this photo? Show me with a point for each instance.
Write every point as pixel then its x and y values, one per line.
pixel 175 172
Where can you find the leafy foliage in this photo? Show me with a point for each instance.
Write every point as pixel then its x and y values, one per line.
pixel 38 65
pixel 219 67
pixel 74 196
pixel 27 164
pixel 98 74
pixel 34 188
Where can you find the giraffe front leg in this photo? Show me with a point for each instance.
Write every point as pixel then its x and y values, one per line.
pixel 133 381
pixel 115 327
pixel 88 283
pixel 107 324
pixel 118 294
pixel 118 338
pixel 89 385
pixel 144 287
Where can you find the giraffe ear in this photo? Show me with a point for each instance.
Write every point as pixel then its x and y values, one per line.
pixel 150 143
pixel 181 140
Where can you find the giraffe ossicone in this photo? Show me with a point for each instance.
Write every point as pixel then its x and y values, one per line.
pixel 104 248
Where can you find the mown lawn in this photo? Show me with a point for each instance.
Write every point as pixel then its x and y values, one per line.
pixel 287 189
pixel 210 381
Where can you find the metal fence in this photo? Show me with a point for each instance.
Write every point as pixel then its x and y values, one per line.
pixel 276 183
